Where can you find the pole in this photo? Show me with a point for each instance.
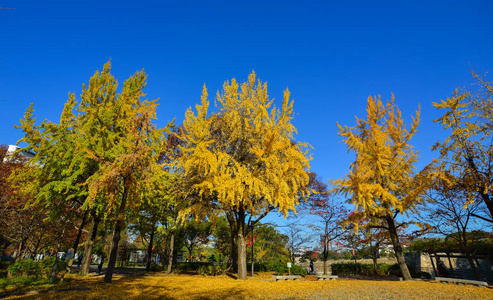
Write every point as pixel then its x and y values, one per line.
pixel 252 252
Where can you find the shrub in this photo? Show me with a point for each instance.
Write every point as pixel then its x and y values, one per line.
pixel 27 267
pixel 213 270
pixel 367 269
pixel 189 266
pixel 282 268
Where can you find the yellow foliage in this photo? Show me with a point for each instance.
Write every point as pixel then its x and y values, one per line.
pixel 467 153
pixel 244 155
pixel 381 180
pixel 262 286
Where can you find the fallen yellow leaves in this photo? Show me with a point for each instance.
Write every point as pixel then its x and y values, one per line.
pixel 260 287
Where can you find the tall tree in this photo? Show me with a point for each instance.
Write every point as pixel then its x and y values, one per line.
pixel 467 153
pixel 58 170
pixel 382 183
pixel 242 161
pixel 120 136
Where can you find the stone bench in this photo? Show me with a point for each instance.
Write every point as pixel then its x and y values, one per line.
pixel 286 277
pixel 461 281
pixel 327 277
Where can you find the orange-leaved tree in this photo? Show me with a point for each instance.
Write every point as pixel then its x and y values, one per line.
pixel 242 161
pixel 382 182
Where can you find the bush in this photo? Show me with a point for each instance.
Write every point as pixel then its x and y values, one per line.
pixel 206 270
pixel 282 268
pixel 367 269
pixel 29 267
pixel 189 266
pixel 25 268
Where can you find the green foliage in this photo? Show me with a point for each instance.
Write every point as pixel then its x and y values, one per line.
pixel 478 247
pixel 281 268
pixel 208 269
pixel 368 269
pixel 189 266
pixel 29 267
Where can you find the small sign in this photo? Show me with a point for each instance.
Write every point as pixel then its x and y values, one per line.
pixel 70 254
pixel 289 265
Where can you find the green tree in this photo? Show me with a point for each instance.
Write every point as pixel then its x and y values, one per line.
pixel 242 161
pixel 104 157
pixel 382 183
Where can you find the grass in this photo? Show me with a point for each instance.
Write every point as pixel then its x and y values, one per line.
pixel 262 286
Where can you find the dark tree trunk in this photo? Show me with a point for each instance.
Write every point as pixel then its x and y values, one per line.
pixel 91 238
pixel 374 256
pixel 119 225
pixel 149 249
pixel 477 274
pixel 77 239
pixel 234 242
pixel 397 248
pixel 488 201
pixel 171 251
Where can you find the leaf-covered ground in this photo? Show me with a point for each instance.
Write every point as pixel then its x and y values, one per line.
pixel 260 287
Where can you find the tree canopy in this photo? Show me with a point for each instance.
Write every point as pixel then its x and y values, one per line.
pixel 243 159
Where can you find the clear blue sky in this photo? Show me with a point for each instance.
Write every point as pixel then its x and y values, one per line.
pixel 331 55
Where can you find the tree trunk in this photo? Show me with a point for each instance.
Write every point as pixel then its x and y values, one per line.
pixel 242 263
pixel 374 256
pixel 77 240
pixel 149 249
pixel 397 248
pixel 171 251
pixel 325 253
pixel 54 269
pixel 119 225
pixel 477 275
pixel 91 238
pixel 234 242
pixel 488 201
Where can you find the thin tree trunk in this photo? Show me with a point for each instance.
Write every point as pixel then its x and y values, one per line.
pixel 77 240
pixel 54 269
pixel 119 224
pixel 325 253
pixel 242 264
pixel 397 248
pixel 374 256
pixel 149 249
pixel 171 251
pixel 91 238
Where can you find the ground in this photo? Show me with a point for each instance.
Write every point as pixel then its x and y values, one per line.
pixel 262 286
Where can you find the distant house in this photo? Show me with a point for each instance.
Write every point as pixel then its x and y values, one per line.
pixel 25 154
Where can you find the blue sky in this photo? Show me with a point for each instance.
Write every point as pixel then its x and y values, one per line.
pixel 330 54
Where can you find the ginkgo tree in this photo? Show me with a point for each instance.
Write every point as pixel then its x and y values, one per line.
pixel 382 182
pixel 242 161
pixel 103 154
pixel 467 153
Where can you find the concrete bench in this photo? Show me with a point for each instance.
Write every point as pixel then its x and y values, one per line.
pixel 286 277
pixel 461 281
pixel 327 277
